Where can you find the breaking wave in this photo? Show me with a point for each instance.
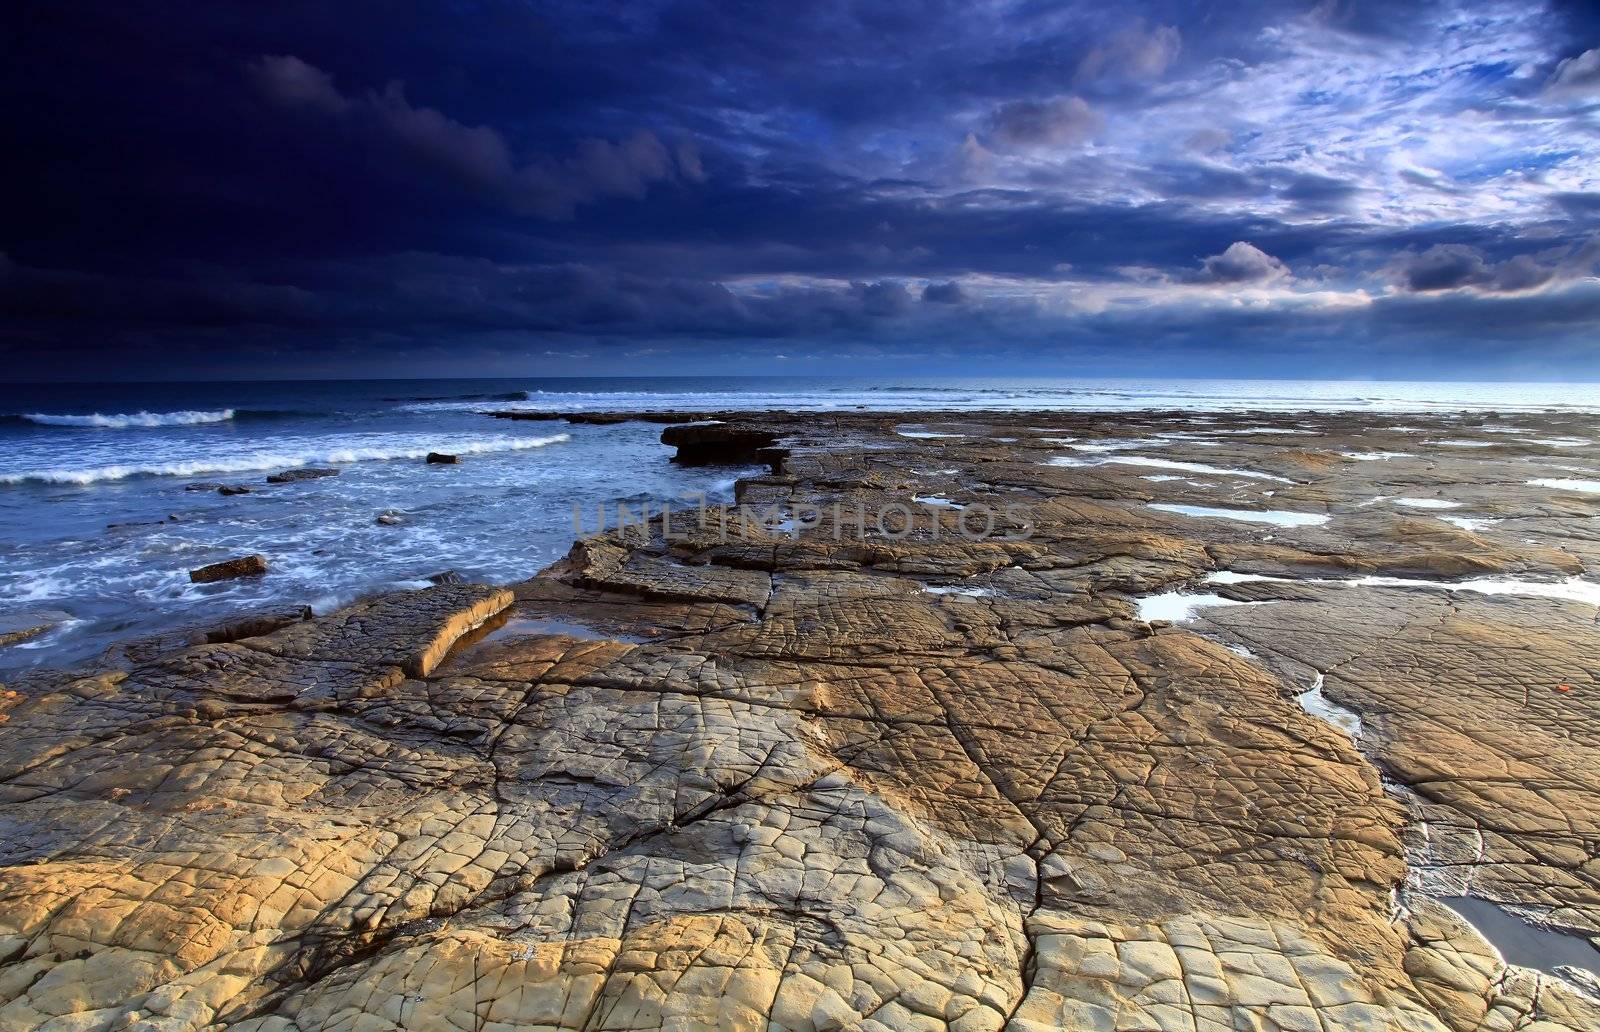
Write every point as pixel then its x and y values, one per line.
pixel 280 459
pixel 123 420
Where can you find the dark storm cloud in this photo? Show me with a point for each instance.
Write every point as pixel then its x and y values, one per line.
pixel 361 182
pixel 1458 266
pixel 478 156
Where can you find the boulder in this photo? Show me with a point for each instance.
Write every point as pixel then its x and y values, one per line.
pixel 244 566
pixel 291 476
pixel 388 519
pixel 232 489
pixel 441 459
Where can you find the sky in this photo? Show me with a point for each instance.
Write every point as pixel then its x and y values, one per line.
pixel 1332 188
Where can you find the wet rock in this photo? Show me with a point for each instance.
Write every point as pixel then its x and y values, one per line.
pixel 718 444
pixel 244 566
pixel 25 626
pixel 233 489
pixel 441 459
pixel 252 625
pixel 388 519
pixel 294 476
pixel 207 486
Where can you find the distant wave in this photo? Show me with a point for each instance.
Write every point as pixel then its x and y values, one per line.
pixel 242 463
pixel 124 420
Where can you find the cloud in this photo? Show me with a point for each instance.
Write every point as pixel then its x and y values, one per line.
pixel 1576 76
pixel 1241 263
pixel 291 82
pixel 1208 141
pixel 478 157
pixel 1461 267
pixel 947 293
pixel 1136 52
pixel 1321 193
pixel 1056 123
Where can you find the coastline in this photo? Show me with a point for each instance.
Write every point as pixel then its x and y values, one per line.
pixel 775 772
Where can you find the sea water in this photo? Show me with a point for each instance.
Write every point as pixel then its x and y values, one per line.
pixel 98 529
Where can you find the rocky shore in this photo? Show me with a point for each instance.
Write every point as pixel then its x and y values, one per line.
pixel 910 739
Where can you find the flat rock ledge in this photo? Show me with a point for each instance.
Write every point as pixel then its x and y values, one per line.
pixel 718 776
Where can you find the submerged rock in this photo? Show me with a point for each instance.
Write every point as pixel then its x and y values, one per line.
pixel 244 566
pixel 233 489
pixel 292 476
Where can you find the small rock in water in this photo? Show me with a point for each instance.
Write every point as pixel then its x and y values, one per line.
pixel 441 459
pixel 19 627
pixel 388 519
pixel 206 486
pixel 446 577
pixel 290 476
pixel 244 566
pixel 232 489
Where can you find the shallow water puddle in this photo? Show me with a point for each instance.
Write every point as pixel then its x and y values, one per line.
pixel 1195 467
pixel 1377 456
pixel 1276 517
pixel 937 501
pixel 922 434
pixel 529 626
pixel 1470 523
pixel 1573 589
pixel 1586 486
pixel 956 589
pixel 1560 442
pixel 1314 702
pixel 1464 444
pixel 1116 445
pixel 1178 606
pixel 1523 943
pixel 1426 503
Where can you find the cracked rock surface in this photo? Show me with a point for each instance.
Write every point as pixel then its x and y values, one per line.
pixel 859 769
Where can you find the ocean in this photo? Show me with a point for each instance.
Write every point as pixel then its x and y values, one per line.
pixel 99 527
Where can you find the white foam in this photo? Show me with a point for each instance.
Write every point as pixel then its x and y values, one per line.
pixel 122 421
pixel 1560 442
pixel 406 448
pixel 1587 486
pixel 1276 517
pixel 952 589
pixel 1464 444
pixel 1376 456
